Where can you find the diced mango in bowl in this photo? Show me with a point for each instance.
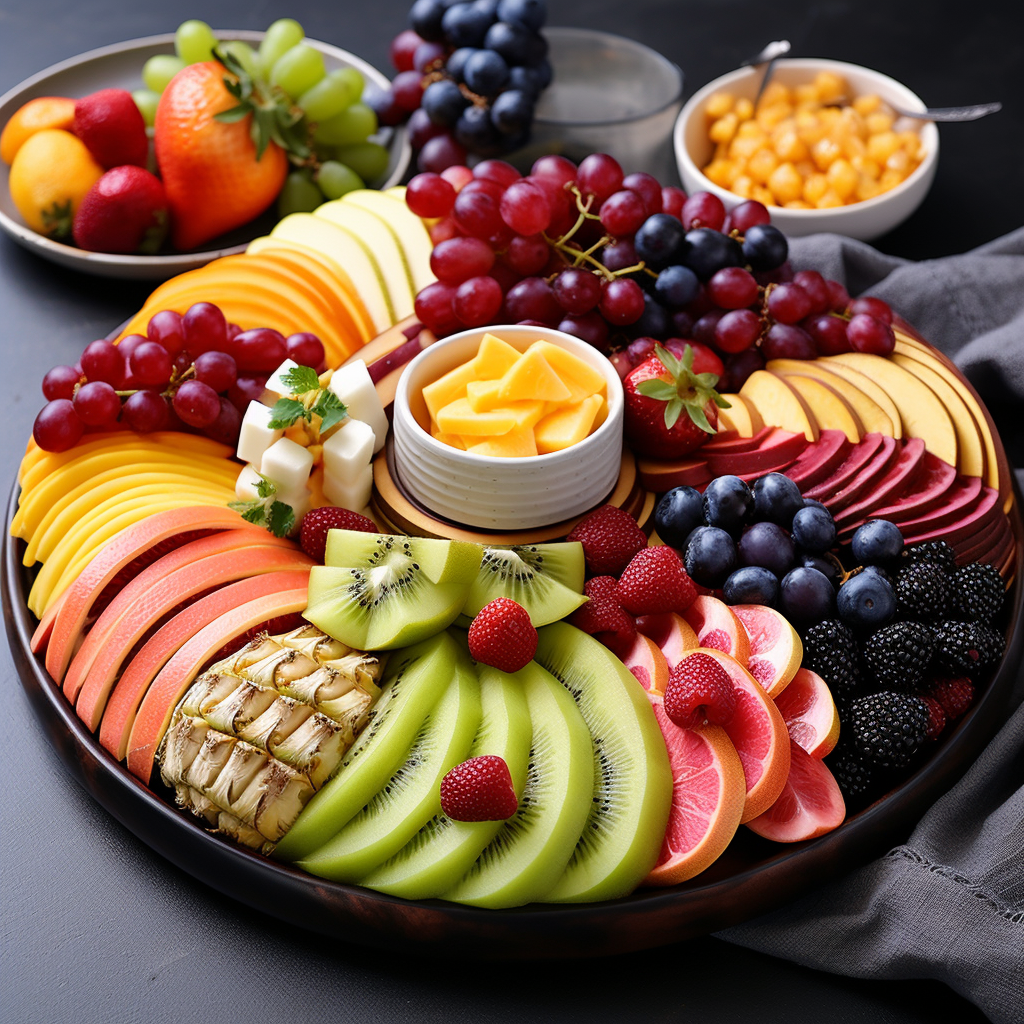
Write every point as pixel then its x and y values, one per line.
pixel 511 404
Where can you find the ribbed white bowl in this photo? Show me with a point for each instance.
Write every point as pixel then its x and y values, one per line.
pixel 503 494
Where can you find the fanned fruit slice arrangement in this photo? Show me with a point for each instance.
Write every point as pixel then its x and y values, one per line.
pixel 801 590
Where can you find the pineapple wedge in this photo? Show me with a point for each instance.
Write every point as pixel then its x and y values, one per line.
pixel 257 734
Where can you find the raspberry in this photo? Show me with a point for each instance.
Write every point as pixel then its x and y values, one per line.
pixel 479 789
pixel 655 581
pixel 978 592
pixel 888 728
pixel 699 690
pixel 316 523
pixel 954 695
pixel 603 617
pixel 936 718
pixel 502 635
pixel 610 538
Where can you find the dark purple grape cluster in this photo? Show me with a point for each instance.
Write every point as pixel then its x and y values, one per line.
pixel 192 372
pixel 470 73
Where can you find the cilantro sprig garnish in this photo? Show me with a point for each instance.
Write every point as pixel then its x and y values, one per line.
pixel 313 399
pixel 265 510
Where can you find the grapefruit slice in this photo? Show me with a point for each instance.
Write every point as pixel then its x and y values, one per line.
pixel 776 649
pixel 708 794
pixel 647 662
pixel 716 626
pixel 671 632
pixel 810 713
pixel 811 803
pixel 758 732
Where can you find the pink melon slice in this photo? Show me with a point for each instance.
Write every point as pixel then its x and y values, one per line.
pixel 671 632
pixel 820 459
pixel 647 662
pixel 897 480
pixel 716 626
pixel 758 732
pixel 810 805
pixel 810 714
pixel 778 449
pixel 660 476
pixel 147 608
pixel 954 526
pixel 863 482
pixel 43 632
pixel 124 701
pixel 775 648
pixel 860 455
pixel 931 487
pixel 732 443
pixel 187 662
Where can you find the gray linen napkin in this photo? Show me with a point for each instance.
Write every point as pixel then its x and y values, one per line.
pixel 949 903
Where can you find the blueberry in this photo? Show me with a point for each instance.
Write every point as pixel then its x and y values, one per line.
pixel 708 251
pixel 485 72
pixel 751 585
pixel 814 529
pixel 465 25
pixel 877 541
pixel 866 601
pixel 678 513
pixel 512 40
pixel 475 131
pixel 776 499
pixel 806 597
pixel 676 286
pixel 808 502
pixel 728 503
pixel 710 556
pixel 512 112
pixel 425 18
pixel 765 247
pixel 767 545
pixel 456 63
pixel 660 240
pixel 444 103
pixel 654 321
pixel 530 13
pixel 826 563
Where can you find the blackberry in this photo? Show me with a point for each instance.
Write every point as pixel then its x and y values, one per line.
pixel 889 728
pixel 977 592
pixel 966 647
pixel 831 650
pixel 922 591
pixel 850 770
pixel 898 655
pixel 935 552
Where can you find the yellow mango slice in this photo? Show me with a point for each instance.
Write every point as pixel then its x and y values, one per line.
pixel 579 377
pixel 494 358
pixel 448 388
pixel 459 417
pixel 567 425
pixel 453 440
pixel 483 394
pixel 533 378
pixel 516 444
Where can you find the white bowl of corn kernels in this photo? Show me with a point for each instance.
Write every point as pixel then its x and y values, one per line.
pixel 824 151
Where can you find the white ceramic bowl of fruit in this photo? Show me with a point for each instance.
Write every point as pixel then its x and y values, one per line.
pixel 901 155
pixel 504 493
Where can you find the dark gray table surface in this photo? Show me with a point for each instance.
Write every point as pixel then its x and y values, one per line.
pixel 96 928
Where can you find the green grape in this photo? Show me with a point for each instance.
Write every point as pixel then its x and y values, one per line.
pixel 335 179
pixel 354 80
pixel 146 100
pixel 194 41
pixel 282 35
pixel 298 70
pixel 244 54
pixel 355 124
pixel 298 195
pixel 329 97
pixel 159 70
pixel 368 159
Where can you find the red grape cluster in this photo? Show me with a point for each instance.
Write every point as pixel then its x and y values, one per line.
pixel 193 372
pixel 622 262
pixel 469 75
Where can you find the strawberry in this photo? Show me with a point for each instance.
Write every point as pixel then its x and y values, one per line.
pixel 698 692
pixel 112 128
pixel 610 538
pixel 603 617
pixel 657 395
pixel 479 789
pixel 502 635
pixel 954 695
pixel 125 211
pixel 316 523
pixel 656 581
pixel 220 170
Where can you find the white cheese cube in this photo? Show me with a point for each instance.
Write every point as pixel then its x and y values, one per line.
pixel 255 435
pixel 352 493
pixel 300 502
pixel 287 464
pixel 275 387
pixel 352 384
pixel 348 449
pixel 246 484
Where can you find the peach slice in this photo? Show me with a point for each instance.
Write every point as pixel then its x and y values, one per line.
pixel 819 460
pixel 857 458
pixel 716 626
pixel 779 404
pixel 142 604
pixel 671 632
pixel 894 482
pixel 187 662
pixel 647 662
pixel 758 732
pixel 775 451
pixel 776 649
pixel 119 715
pixel 810 714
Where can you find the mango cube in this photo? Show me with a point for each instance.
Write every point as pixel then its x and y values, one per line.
pixel 494 358
pixel 533 377
pixel 567 425
pixel 579 377
pixel 516 444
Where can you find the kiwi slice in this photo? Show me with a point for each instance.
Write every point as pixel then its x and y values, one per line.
pixel 546 579
pixel 529 852
pixel 411 795
pixel 628 812
pixel 444 850
pixel 413 682
pixel 379 591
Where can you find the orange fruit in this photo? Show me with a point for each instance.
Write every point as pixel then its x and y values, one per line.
pixel 776 649
pixel 810 713
pixel 716 626
pixel 34 116
pixel 708 794
pixel 50 176
pixel 758 732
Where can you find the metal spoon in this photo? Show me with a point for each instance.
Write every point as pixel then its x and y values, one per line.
pixel 971 113
pixel 769 55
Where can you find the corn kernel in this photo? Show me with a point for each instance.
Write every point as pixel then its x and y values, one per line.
pixel 824 152
pixel 853 146
pixel 842 178
pixel 723 129
pixel 900 162
pixel 744 108
pixel 806 93
pixel 742 185
pixel 769 117
pixel 890 179
pixel 721 172
pixel 882 146
pixel 815 186
pixel 761 164
pixel 762 195
pixel 830 86
pixel 719 104
pixel 865 166
pixel 750 130
pixel 867 104
pixel 786 183
pixel 867 188
pixel 743 149
pixel 775 92
pixel 911 143
pixel 797 204
pixel 829 201
pixel 878 122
